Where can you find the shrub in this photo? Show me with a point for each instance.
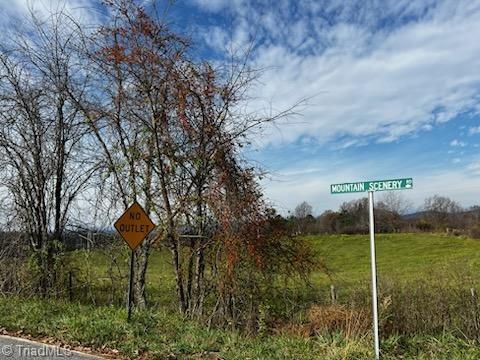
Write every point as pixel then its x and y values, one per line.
pixel 424 225
pixel 475 232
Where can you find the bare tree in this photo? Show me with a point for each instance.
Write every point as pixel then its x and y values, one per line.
pixel 302 210
pixel 41 135
pixel 441 211
pixel 396 202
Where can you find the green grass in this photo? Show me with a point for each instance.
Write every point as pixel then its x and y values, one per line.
pixel 93 267
pixel 159 334
pixel 400 256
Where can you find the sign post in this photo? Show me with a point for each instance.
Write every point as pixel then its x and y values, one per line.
pixel 133 226
pixel 371 187
pixel 130 286
pixel 373 261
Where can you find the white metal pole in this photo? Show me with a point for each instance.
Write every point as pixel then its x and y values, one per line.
pixel 374 276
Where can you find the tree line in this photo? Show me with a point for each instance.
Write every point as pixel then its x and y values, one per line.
pixel 393 213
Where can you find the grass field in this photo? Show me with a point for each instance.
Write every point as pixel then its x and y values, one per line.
pixel 161 333
pixel 399 256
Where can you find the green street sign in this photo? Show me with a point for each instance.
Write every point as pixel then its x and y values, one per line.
pixel 376 185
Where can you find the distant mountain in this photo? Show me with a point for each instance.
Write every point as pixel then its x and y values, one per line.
pixel 419 214
pixel 414 216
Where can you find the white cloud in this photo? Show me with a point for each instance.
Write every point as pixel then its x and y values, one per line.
pixel 474 130
pixel 216 38
pixel 211 5
pixel 86 12
pixel 457 143
pixel 474 167
pixel 366 83
pixel 362 80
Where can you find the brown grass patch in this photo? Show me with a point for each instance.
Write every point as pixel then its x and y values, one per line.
pixel 330 319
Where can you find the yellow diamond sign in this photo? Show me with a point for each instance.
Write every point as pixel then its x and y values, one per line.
pixel 134 225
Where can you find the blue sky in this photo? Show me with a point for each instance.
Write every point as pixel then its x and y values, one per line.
pixel 391 89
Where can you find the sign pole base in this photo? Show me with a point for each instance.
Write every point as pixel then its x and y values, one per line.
pixel 130 287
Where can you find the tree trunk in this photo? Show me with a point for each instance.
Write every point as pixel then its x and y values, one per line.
pixel 178 274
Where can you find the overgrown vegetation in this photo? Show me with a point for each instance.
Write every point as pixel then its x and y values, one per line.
pixel 94 120
pixel 163 335
pixel 418 308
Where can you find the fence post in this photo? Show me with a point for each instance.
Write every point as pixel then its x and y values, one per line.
pixel 333 294
pixel 89 240
pixel 70 285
